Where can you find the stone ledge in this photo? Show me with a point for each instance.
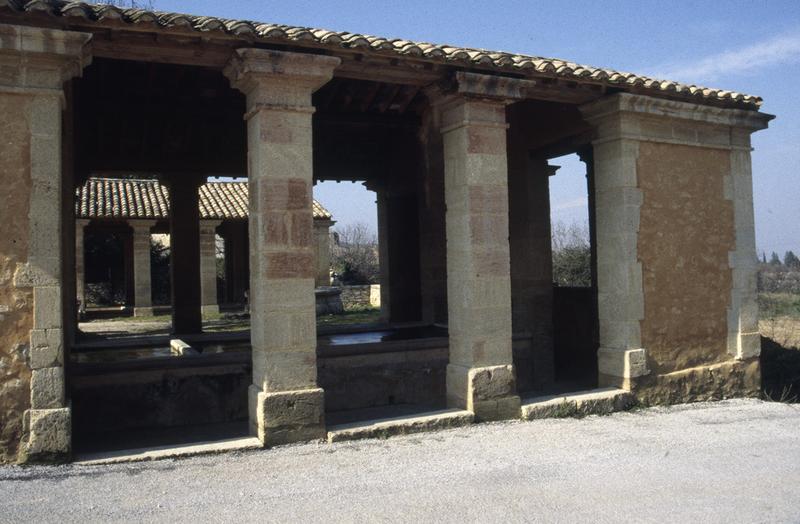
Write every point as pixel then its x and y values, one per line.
pixel 592 402
pixel 169 452
pixel 402 425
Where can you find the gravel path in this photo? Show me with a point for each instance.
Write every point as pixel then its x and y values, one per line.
pixel 733 461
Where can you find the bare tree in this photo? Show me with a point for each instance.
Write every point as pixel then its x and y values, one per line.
pixel 572 257
pixel 354 254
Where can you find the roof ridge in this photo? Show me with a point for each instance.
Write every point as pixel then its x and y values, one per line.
pixel 446 53
pixel 112 197
pixel 122 179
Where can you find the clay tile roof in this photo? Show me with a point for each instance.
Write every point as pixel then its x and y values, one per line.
pixel 148 199
pixel 248 31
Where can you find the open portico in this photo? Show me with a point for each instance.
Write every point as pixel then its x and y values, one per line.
pixel 456 144
pixel 135 209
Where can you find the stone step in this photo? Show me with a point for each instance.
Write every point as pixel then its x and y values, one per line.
pixel 168 452
pixel 581 403
pixel 400 425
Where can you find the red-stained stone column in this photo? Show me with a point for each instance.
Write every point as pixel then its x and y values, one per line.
pixel 286 405
pixel 480 375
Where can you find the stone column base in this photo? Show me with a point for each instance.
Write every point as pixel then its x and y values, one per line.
pixel 210 309
pixel 616 367
pixel 489 392
pixel 146 311
pixel 49 435
pixel 287 416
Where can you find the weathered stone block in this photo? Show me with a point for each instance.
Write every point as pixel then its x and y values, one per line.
pixel 35 275
pixel 143 312
pixel 602 401
pixel 749 346
pixel 286 370
pixel 290 265
pixel 289 416
pixel 622 363
pixel 47 388
pixel 47 348
pixel 401 426
pixel 557 407
pixel 49 435
pixel 46 307
pixel 492 382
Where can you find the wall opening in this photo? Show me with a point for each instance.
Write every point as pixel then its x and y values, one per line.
pixel 574 286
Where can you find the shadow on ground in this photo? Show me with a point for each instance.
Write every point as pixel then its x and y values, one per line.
pixel 780 371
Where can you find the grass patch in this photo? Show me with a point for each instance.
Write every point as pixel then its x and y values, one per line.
pixel 355 316
pixel 779 305
pixel 166 317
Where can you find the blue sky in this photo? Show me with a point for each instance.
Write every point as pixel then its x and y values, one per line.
pixel 751 47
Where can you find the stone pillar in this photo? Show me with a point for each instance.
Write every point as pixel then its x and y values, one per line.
pixel 480 375
pixel 184 239
pixel 35 63
pixel 531 261
pixel 286 404
pixel 322 252
pixel 80 268
pixel 383 254
pixel 142 289
pixel 208 266
pixel 431 221
pixel 237 276
pixel 665 264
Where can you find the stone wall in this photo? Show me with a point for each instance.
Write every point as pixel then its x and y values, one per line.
pixel 676 261
pixel 379 379
pixel 361 297
pixel 686 232
pixel 16 304
pixel 200 395
pixel 159 398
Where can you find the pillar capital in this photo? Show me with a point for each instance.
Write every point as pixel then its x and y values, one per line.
pixel 141 225
pixel 40 60
pixel 476 100
pixel 647 118
pixel 279 79
pixel 208 227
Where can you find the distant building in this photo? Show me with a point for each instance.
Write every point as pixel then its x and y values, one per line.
pixel 137 208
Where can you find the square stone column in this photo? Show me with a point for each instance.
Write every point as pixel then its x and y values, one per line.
pixel 35 63
pixel 208 266
pixel 184 233
pixel 531 262
pixel 322 252
pixel 286 405
pixel 142 289
pixel 675 249
pixel 80 268
pixel 480 375
pixel 383 253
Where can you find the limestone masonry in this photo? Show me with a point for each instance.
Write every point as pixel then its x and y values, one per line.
pixel 455 143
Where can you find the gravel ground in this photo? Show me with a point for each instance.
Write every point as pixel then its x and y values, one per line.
pixel 733 461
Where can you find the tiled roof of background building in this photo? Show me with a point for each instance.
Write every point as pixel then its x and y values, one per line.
pixel 145 198
pixel 462 56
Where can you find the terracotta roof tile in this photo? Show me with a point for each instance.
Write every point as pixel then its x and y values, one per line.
pixel 144 198
pixel 501 61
